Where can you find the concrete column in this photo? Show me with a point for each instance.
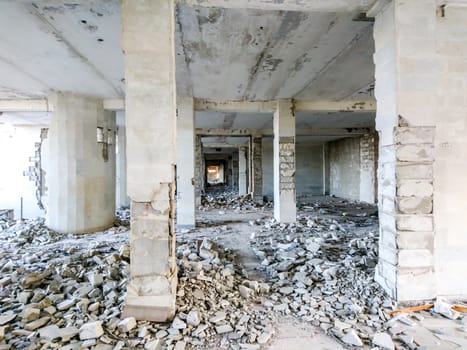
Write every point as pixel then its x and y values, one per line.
pixel 148 44
pixel 122 199
pixel 257 169
pixel 420 92
pixel 81 171
pixel 367 168
pixel 199 170
pixel 185 163
pixel 285 209
pixel 242 180
pixel 326 170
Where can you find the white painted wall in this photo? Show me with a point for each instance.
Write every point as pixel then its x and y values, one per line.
pixel 344 160
pixel 16 147
pixel 309 168
pixel 309 173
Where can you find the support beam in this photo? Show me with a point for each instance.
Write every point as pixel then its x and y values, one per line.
pixel 148 44
pixel 199 170
pixel 223 145
pixel 344 132
pixel 242 180
pixel 285 209
pixel 235 106
pixel 335 106
pixel 257 169
pixel 122 199
pixel 299 106
pixel 44 105
pixel 26 105
pixel 285 5
pixel 114 104
pixel 185 163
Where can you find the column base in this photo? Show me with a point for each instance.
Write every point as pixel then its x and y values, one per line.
pixel 150 308
pixel 185 226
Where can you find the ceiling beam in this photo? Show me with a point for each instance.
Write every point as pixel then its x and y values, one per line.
pixel 344 132
pixel 224 145
pixel 335 106
pixel 43 105
pixel 235 106
pixel 117 104
pixel 25 105
pixel 270 106
pixel 285 5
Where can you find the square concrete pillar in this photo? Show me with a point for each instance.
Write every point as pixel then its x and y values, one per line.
pixel 257 143
pixel 199 170
pixel 420 72
pixel 121 195
pixel 242 164
pixel 148 44
pixel 285 209
pixel 80 175
pixel 185 163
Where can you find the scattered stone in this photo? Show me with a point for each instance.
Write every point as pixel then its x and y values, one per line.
pixel 31 326
pixel 383 340
pixel 352 338
pixel 91 330
pixel 126 324
pixel 193 318
pixel 225 328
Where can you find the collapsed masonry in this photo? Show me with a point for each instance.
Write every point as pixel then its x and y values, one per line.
pixel 59 291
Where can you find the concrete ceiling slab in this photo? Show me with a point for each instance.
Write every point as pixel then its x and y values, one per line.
pixel 57 45
pixel 239 54
pixel 304 120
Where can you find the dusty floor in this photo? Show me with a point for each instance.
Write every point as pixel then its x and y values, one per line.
pixel 265 289
pixel 291 334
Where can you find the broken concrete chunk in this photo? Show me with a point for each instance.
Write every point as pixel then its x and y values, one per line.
pixel 225 328
pixel 4 319
pixel 31 326
pixel 177 323
pixel 352 338
pixel 383 340
pixel 126 324
pixel 30 314
pixel 50 333
pixel 91 330
pixel 193 318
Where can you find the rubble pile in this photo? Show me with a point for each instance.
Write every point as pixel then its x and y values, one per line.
pixel 67 292
pixel 60 290
pixel 321 269
pixel 6 218
pixel 230 201
pixel 216 305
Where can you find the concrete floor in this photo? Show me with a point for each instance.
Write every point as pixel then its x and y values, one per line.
pixel 291 334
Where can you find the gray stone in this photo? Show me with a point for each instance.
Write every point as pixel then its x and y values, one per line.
pixel 91 330
pixel 352 338
pixel 383 340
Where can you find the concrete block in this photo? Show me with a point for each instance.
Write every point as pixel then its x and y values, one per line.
pixel 387 222
pixel 415 240
pixel 414 222
pixel 387 204
pixel 416 284
pixel 388 254
pixel 415 153
pixel 414 135
pixel 413 170
pixel 416 188
pixel 415 205
pixel 415 258
pixel 151 257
